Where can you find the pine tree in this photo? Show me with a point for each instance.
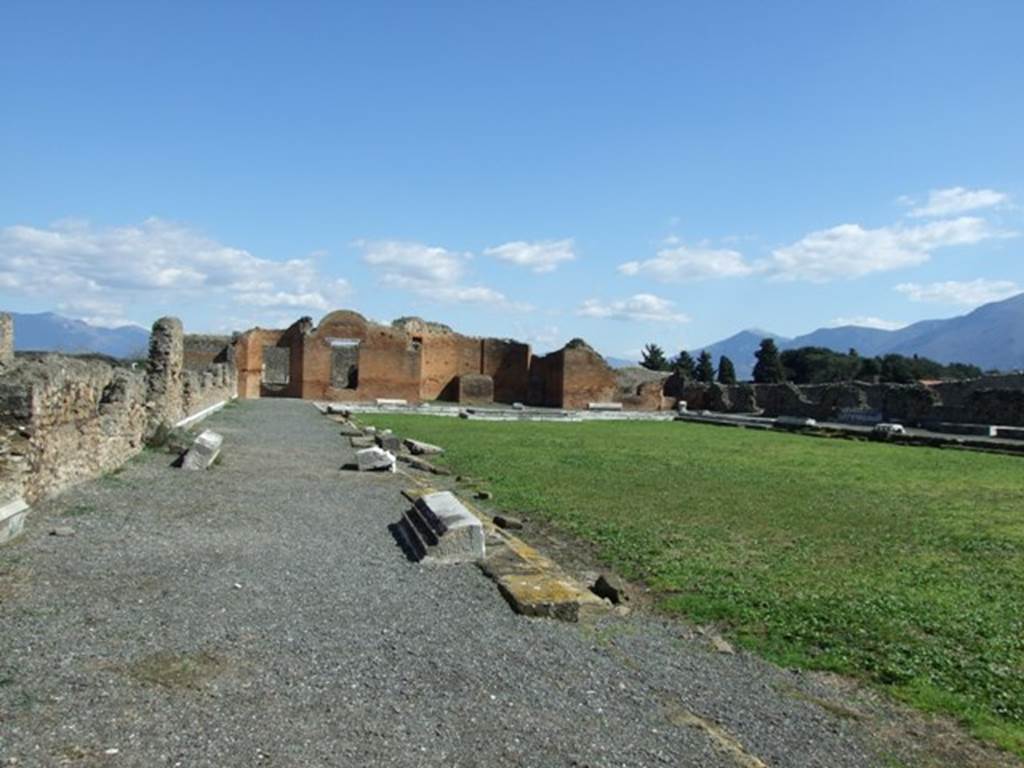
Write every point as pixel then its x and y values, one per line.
pixel 768 369
pixel 705 369
pixel 654 358
pixel 726 371
pixel 684 366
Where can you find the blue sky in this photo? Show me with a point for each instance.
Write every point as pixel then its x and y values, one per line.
pixel 622 172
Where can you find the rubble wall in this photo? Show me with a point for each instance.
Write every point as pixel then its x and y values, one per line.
pixel 66 419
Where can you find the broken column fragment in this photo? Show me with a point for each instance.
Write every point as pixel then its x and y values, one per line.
pixel 204 451
pixel 441 529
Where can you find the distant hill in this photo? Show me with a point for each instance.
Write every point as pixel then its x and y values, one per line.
pixel 50 332
pixel 992 336
pixel 620 362
pixel 740 348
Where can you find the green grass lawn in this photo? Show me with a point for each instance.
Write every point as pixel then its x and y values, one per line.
pixel 903 566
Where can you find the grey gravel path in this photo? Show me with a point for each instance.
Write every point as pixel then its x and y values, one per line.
pixel 261 614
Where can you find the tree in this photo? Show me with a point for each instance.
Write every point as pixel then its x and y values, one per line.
pixel 654 358
pixel 870 369
pixel 768 369
pixel 705 369
pixel 726 371
pixel 684 366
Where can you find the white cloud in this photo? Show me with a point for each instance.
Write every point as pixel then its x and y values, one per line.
pixel 970 293
pixel 429 271
pixel 639 307
pixel 94 273
pixel 865 321
pixel 685 263
pixel 539 256
pixel 850 250
pixel 954 200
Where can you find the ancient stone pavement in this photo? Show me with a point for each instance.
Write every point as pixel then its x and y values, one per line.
pixel 260 613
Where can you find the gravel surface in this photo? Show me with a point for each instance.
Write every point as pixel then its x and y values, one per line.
pixel 260 613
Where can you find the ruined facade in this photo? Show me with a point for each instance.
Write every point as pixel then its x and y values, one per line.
pixel 346 357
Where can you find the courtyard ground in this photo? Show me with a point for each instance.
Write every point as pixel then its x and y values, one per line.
pixel 897 565
pixel 260 613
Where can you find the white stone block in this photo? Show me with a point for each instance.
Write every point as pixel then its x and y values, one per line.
pixel 375 459
pixel 12 518
pixel 204 451
pixel 604 406
pixel 391 401
pixel 459 534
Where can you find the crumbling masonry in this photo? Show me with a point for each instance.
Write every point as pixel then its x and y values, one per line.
pixel 66 419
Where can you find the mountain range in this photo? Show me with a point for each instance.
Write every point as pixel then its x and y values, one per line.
pixel 50 332
pixel 991 337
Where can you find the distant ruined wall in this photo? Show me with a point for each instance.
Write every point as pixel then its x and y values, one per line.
pixel 64 419
pixel 991 400
pixel 571 377
pixel 203 350
pixel 347 357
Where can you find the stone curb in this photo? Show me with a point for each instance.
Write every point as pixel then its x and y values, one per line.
pixel 534 585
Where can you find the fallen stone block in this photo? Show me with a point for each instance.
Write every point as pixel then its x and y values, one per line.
pixel 204 451
pixel 375 459
pixel 419 448
pixel 475 389
pixel 348 429
pixel 390 442
pixel 12 518
pixel 604 406
pixel 446 530
pixel 611 588
pixel 361 441
pixel 542 595
pixel 423 465
pixel 393 401
pixel 508 522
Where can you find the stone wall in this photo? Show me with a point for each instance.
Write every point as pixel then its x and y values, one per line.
pixel 203 350
pixel 65 419
pixel 991 400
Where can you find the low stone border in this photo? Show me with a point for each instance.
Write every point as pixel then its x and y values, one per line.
pixel 534 585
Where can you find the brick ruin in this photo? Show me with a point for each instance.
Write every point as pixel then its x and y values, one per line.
pixel 347 357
